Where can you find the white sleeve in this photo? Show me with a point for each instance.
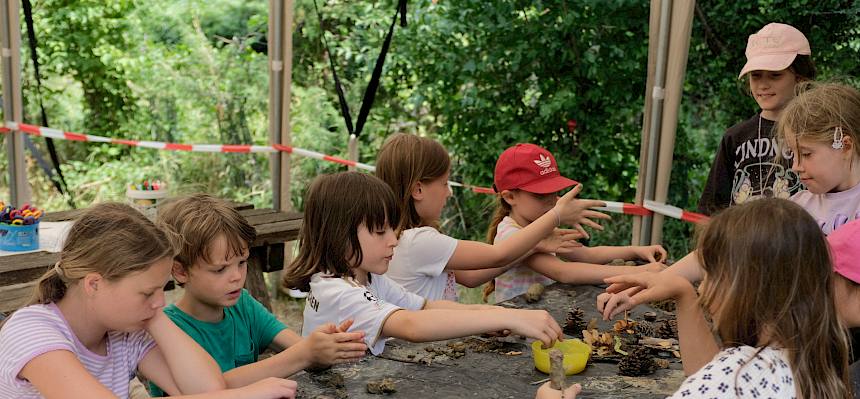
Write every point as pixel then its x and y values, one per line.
pixel 368 313
pixel 427 250
pixel 391 292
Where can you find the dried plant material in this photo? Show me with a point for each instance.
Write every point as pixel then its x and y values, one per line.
pixel 534 293
pixel 592 324
pixel 676 354
pixel 512 353
pixel 616 262
pixel 328 379
pixel 383 386
pixel 662 363
pixel 625 325
pixel 574 322
pixel 666 305
pixel 645 329
pixel 638 363
pixel 668 329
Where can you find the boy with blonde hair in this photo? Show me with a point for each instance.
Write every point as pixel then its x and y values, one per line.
pixel 221 316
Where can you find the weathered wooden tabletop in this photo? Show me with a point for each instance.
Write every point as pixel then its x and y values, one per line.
pixel 489 374
pixel 274 228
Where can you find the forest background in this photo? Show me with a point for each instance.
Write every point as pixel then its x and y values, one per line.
pixel 476 75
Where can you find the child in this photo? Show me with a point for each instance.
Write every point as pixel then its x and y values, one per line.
pixel 428 262
pixel 820 129
pixel 769 289
pixel 96 319
pixel 525 193
pixel 845 253
pixel 346 243
pixel 221 316
pixel 778 57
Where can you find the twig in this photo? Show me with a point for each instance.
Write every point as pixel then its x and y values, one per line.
pixel 556 369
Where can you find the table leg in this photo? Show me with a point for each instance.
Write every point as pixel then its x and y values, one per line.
pixel 254 281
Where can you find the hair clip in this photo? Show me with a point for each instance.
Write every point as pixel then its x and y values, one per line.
pixel 837 138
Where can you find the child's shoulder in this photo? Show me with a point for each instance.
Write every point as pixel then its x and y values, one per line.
pixel 419 232
pixel 35 315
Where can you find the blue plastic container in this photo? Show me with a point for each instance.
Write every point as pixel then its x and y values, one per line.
pixel 19 238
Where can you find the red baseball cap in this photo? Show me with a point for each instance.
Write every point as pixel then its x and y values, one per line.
pixel 530 168
pixel 845 250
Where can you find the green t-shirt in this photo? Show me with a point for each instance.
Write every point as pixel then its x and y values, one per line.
pixel 246 331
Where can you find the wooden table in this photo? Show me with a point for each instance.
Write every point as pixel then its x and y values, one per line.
pixel 491 375
pixel 274 228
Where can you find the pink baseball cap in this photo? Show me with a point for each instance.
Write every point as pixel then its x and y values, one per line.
pixel 530 168
pixel 845 250
pixel 774 48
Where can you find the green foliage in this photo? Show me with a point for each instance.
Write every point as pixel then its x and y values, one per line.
pixel 479 76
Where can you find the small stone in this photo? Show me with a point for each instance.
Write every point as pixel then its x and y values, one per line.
pixel 649 316
pixel 534 293
pixel 383 386
pixel 617 262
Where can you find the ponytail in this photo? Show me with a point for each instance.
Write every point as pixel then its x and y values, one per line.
pixel 49 288
pixel 502 209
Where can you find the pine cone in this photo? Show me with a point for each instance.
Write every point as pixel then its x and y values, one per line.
pixel 638 363
pixel 645 329
pixel 668 329
pixel 575 321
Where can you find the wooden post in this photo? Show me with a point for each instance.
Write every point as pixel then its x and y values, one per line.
pixel 280 81
pixel 10 53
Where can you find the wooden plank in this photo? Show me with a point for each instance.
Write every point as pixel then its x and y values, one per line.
pixel 277 232
pixel 259 220
pixel 26 261
pixel 253 212
pixel 14 296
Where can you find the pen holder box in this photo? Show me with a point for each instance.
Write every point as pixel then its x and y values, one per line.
pixel 19 237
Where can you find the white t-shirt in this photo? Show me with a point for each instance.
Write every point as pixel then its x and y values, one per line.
pixel 830 210
pixel 516 280
pixel 741 373
pixel 335 300
pixel 419 263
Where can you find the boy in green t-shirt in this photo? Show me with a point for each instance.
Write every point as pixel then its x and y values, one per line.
pixel 221 316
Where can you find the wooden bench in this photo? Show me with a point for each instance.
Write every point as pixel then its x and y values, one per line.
pixel 19 272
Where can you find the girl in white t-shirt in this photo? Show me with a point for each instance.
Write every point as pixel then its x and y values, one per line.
pixel 769 288
pixel 346 243
pixel 96 319
pixel 527 181
pixel 430 263
pixel 820 130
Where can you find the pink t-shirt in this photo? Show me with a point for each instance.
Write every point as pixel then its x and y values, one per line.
pixel 516 280
pixel 830 210
pixel 38 329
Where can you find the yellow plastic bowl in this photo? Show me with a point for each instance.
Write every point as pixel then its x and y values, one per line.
pixel 576 354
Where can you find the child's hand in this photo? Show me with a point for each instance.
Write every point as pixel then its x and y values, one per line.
pixel 546 392
pixel 651 253
pixel 610 305
pixel 653 267
pixel 330 344
pixel 270 388
pixel 576 213
pixel 560 242
pixel 654 286
pixel 537 324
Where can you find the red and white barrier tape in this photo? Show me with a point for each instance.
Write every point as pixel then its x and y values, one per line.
pixel 611 206
pixel 675 212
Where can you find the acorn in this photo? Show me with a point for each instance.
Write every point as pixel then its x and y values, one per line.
pixel 637 363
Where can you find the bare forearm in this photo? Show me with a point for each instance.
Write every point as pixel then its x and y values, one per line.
pixel 697 342
pixel 474 278
pixel 600 255
pixel 281 365
pixel 688 267
pixel 182 353
pixel 439 324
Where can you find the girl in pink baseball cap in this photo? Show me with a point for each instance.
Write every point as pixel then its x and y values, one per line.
pixel 528 181
pixel 778 57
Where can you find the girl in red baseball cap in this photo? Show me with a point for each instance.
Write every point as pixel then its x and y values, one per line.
pixel 527 181
pixel 428 262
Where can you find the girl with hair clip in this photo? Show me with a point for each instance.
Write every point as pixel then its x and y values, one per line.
pixel 346 243
pixel 769 289
pixel 820 130
pixel 430 263
pixel 527 181
pixel 778 57
pixel 95 319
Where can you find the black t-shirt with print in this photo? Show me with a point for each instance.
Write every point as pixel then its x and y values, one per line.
pixel 745 168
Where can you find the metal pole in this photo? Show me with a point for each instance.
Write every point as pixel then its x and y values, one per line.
pixel 352 150
pixel 10 53
pixel 656 110
pixel 275 89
